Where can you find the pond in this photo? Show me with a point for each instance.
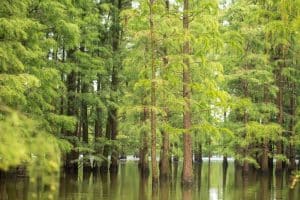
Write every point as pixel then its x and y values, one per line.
pixel 212 182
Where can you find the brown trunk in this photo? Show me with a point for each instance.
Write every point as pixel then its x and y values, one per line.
pixel 175 149
pixel 198 153
pixel 264 163
pixel 165 164
pixel 104 163
pixel 279 146
pixel 153 98
pixel 98 121
pixel 165 156
pixel 187 175
pixel 71 111
pixel 292 150
pixel 143 154
pixel 84 113
pixel 225 161
pixel 270 159
pixel 115 153
pixel 115 31
pixel 245 118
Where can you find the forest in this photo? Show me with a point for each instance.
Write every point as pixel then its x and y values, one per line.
pixel 84 84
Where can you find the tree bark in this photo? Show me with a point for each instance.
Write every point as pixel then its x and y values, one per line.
pixel 198 152
pixel 98 121
pixel 187 176
pixel 153 98
pixel 84 113
pixel 165 163
pixel 292 150
pixel 71 166
pixel 264 162
pixel 143 154
pixel 279 146
pixel 116 31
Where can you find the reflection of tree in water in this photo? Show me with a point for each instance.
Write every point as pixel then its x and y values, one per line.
pixel 105 185
pixel 187 193
pixel 164 190
pixel 211 182
pixel 14 188
pixel 143 187
pixel 279 185
pixel 264 187
pixel 198 174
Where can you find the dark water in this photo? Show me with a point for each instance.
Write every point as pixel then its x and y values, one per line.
pixel 212 182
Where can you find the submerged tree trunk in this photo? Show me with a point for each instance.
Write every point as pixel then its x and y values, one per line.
pixel 143 154
pixel 104 163
pixel 187 174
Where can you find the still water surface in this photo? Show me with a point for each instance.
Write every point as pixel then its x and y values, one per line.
pixel 212 182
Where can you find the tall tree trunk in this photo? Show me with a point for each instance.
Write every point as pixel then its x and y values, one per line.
pixel 84 121
pixel 115 29
pixel 165 163
pixel 143 154
pixel 98 120
pixel 187 176
pixel 198 152
pixel 279 145
pixel 245 121
pixel 292 150
pixel 153 98
pixel 71 111
pixel 165 156
pixel 264 162
pixel 84 113
pixel 104 163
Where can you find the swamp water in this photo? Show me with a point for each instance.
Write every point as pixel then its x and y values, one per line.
pixel 212 182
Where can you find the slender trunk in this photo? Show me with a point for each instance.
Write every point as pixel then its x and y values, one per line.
pixel 71 111
pixel 292 150
pixel 187 175
pixel 225 161
pixel 270 159
pixel 245 118
pixel 153 98
pixel 143 154
pixel 165 157
pixel 264 163
pixel 115 29
pixel 165 164
pixel 176 155
pixel 115 153
pixel 198 152
pixel 279 145
pixel 104 163
pixel 98 121
pixel 84 113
